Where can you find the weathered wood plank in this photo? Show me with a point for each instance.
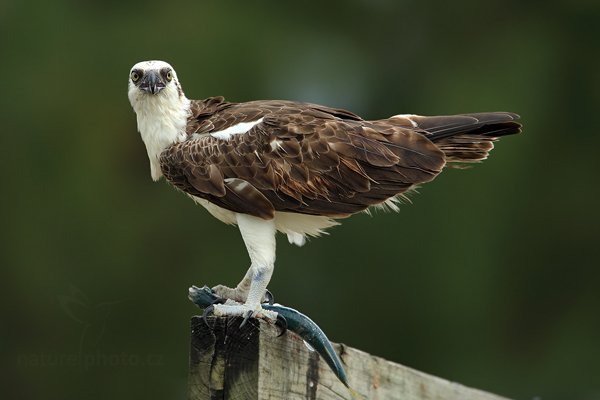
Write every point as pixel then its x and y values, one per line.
pixel 229 362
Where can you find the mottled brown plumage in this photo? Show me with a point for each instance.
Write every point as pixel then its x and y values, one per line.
pixel 289 167
pixel 311 159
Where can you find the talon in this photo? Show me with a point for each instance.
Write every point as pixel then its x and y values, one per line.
pixel 281 323
pixel 269 298
pixel 207 311
pixel 218 300
pixel 247 316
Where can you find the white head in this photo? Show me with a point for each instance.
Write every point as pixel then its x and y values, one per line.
pixel 161 107
pixel 149 80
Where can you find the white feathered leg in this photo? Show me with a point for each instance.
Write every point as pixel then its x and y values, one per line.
pixel 259 237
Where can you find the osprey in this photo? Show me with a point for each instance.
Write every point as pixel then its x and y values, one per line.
pixel 292 167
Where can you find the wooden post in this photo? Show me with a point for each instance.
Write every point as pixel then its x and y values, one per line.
pixel 233 363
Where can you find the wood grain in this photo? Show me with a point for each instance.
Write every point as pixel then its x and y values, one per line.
pixel 229 362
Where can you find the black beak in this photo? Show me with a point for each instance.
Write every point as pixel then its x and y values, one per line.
pixel 152 82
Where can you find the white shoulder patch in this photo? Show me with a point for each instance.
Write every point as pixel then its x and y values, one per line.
pixel 408 117
pixel 237 129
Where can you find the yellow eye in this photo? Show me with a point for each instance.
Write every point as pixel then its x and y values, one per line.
pixel 135 76
pixel 169 76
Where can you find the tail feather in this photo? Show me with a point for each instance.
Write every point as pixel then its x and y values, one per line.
pixel 464 138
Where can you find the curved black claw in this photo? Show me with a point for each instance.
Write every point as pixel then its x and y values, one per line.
pixel 218 300
pixel 269 297
pixel 247 316
pixel 282 324
pixel 208 311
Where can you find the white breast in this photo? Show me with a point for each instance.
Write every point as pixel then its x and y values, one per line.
pixel 161 120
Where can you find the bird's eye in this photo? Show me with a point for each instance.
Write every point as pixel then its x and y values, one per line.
pixel 169 76
pixel 135 76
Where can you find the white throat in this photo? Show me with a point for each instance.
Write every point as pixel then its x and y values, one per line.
pixel 161 120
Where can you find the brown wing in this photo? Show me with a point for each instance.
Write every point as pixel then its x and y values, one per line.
pixel 215 114
pixel 301 158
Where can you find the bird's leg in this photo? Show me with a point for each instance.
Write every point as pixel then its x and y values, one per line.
pixel 259 237
pixel 239 293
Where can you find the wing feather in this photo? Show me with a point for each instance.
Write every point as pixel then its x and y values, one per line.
pixel 301 158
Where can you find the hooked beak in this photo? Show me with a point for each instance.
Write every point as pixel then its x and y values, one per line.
pixel 152 82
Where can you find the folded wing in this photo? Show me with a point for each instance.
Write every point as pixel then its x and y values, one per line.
pixel 300 158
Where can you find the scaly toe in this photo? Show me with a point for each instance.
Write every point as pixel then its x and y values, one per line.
pixel 243 310
pixel 234 294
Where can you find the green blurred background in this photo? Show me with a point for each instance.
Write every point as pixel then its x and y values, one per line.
pixel 490 278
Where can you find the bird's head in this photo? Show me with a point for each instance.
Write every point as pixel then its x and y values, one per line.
pixel 152 80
